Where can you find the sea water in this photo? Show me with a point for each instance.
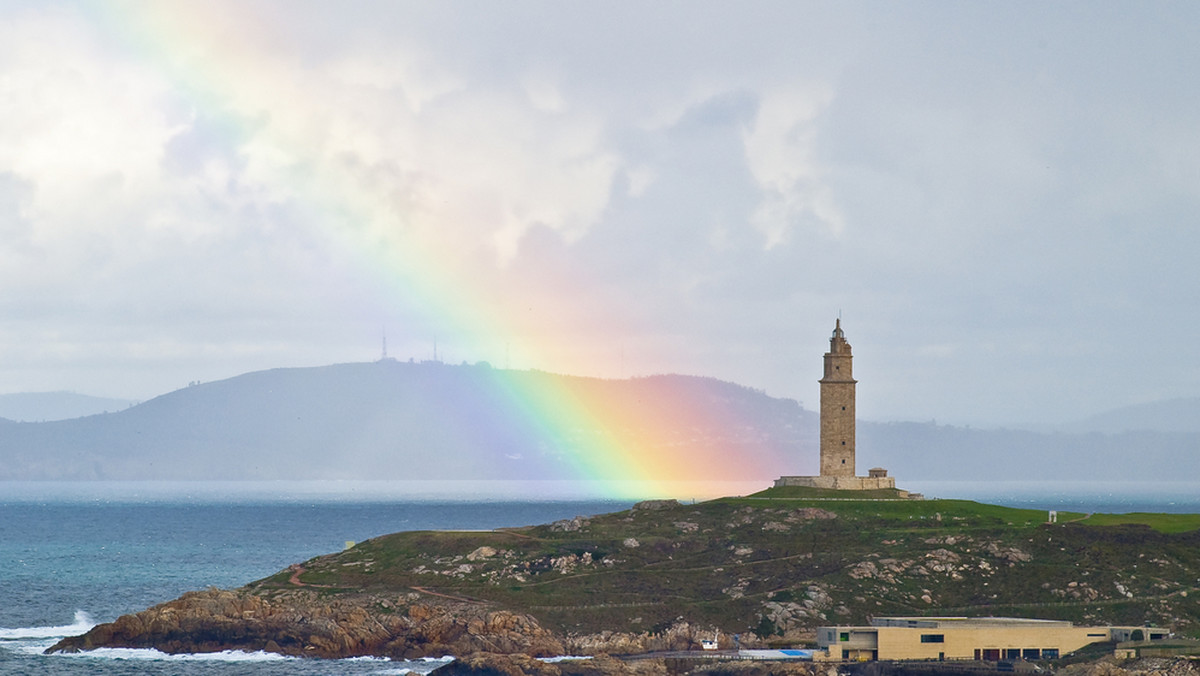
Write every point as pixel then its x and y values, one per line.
pixel 73 555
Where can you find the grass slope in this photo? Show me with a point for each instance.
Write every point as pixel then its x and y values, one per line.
pixel 782 562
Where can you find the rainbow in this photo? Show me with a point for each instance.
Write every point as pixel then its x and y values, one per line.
pixel 213 58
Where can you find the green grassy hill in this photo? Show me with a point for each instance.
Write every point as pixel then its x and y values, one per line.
pixel 784 561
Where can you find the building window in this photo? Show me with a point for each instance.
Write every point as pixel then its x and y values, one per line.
pixel 1049 653
pixel 845 636
pixel 933 638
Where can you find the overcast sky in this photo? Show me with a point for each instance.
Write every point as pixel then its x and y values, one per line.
pixel 1000 199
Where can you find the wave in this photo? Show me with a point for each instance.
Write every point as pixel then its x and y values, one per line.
pixel 419 666
pixel 150 654
pixel 387 667
pixel 83 623
pixel 32 641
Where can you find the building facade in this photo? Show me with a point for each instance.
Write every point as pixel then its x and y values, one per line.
pixel 963 638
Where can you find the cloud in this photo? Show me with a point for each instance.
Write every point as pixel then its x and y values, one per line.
pixel 781 153
pixel 84 130
pixel 615 189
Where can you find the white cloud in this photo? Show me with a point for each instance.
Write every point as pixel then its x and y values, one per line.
pixel 544 94
pixel 781 153
pixel 640 178
pixel 84 129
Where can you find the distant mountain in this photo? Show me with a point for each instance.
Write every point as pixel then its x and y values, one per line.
pixel 396 420
pixel 939 452
pixel 1171 415
pixel 44 406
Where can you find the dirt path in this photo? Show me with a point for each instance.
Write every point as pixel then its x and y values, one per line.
pixel 297 571
pixel 464 599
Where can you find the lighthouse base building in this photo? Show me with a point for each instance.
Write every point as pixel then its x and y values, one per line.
pixel 838 426
pixel 844 483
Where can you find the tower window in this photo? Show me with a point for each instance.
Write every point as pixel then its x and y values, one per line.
pixel 843 443
pixel 843 408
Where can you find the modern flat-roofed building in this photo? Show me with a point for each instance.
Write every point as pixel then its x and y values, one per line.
pixel 966 638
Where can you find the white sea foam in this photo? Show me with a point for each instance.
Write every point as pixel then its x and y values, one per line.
pixel 83 623
pixel 422 665
pixel 150 654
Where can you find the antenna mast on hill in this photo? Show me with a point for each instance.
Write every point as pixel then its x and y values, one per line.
pixel 383 357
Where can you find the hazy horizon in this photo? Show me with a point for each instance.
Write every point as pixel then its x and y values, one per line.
pixel 64 405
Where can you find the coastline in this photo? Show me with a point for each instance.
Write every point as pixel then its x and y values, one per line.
pixel 540 591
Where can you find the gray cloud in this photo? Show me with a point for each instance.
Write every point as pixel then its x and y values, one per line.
pixel 999 199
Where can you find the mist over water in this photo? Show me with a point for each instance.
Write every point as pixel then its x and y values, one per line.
pixel 363 491
pixel 1114 497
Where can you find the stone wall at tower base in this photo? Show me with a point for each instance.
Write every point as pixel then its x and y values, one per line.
pixel 841 483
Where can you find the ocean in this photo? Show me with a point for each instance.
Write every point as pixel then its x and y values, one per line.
pixel 73 555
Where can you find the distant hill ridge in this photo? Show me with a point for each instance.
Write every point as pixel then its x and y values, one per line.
pixel 390 419
pixel 403 420
pixel 44 406
pixel 1172 415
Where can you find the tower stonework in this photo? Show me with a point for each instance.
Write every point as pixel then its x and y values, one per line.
pixel 837 408
pixel 837 429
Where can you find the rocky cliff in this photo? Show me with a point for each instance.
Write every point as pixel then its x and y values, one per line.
pixel 316 624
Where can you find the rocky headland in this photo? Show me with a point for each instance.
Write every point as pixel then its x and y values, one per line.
pixel 762 571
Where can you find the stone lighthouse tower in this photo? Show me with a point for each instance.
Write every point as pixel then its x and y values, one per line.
pixel 837 408
pixel 837 429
